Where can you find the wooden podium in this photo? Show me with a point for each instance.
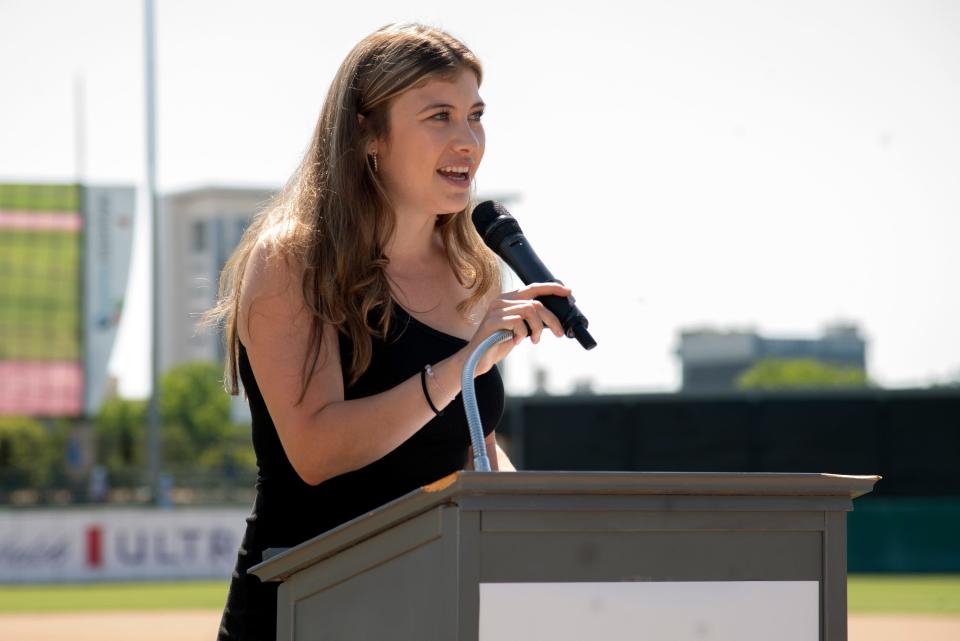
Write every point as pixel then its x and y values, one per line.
pixel 580 555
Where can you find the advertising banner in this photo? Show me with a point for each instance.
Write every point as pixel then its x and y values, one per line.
pixel 109 214
pixel 75 545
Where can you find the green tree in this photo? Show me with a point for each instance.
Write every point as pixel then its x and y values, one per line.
pixel 194 410
pixel 32 454
pixel 120 433
pixel 195 432
pixel 801 373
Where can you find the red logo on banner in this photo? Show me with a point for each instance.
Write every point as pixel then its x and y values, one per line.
pixel 94 546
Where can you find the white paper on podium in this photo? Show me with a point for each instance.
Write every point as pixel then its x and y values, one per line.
pixel 661 610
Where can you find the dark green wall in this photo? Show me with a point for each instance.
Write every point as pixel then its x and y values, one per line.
pixel 904 534
pixel 911 522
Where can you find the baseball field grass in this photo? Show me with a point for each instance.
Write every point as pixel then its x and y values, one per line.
pixel 904 593
pixel 157 595
pixel 866 593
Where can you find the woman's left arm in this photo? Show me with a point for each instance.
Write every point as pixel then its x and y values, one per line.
pixel 498 458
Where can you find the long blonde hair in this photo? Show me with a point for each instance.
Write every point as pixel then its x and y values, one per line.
pixel 332 218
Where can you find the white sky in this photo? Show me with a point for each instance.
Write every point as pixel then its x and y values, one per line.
pixel 775 165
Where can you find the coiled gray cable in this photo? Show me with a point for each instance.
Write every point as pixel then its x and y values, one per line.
pixel 481 462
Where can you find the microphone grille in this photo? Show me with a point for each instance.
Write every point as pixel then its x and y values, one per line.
pixel 486 214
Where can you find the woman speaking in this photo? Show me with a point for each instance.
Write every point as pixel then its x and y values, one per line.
pixel 356 296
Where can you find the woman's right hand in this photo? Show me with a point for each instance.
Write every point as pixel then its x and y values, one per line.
pixel 509 311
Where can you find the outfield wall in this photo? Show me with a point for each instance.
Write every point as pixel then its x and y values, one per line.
pixel 76 545
pixel 910 522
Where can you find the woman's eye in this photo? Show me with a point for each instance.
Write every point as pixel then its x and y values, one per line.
pixel 445 115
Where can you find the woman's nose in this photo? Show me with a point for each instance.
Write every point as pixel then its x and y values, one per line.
pixel 467 137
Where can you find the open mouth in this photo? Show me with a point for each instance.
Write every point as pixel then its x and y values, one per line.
pixel 458 175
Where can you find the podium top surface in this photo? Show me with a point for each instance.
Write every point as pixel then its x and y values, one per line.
pixel 647 483
pixel 465 486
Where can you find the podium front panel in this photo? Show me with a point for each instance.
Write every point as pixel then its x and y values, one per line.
pixel 401 571
pixel 676 610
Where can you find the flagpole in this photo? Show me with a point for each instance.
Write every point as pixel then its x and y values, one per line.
pixel 153 414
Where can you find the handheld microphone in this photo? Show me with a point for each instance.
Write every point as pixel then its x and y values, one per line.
pixel 503 235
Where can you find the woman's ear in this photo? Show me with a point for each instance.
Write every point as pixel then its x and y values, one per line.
pixel 372 145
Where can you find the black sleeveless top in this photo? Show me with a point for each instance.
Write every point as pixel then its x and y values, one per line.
pixel 288 511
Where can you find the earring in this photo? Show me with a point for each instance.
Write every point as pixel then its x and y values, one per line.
pixel 376 169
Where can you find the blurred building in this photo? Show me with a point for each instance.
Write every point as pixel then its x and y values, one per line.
pixel 199 229
pixel 712 360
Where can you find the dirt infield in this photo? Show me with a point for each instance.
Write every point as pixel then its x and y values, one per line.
pixel 182 625
pixel 902 627
pixel 201 625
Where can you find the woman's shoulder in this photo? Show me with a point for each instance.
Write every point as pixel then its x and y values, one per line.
pixel 273 262
pixel 272 277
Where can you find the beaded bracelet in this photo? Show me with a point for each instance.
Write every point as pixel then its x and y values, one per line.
pixel 428 371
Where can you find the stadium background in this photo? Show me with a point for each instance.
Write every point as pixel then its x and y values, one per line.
pixel 66 439
pixel 76 506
